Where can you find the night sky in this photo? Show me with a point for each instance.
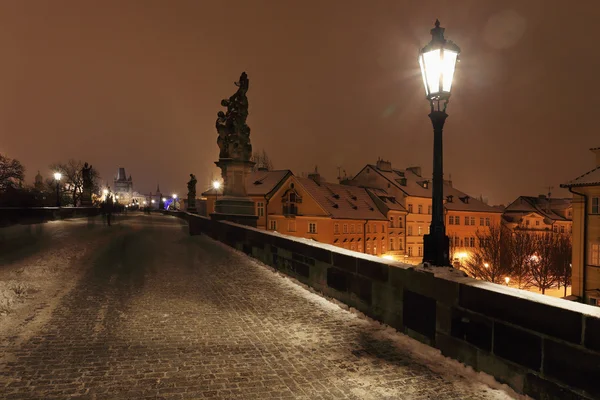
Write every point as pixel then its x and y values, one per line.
pixel 333 83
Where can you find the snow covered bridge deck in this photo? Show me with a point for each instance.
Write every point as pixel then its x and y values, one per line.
pixel 143 310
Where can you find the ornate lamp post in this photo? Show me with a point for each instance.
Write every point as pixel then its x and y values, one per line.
pixel 437 61
pixel 57 177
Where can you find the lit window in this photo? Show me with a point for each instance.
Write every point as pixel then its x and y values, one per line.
pixel 375 248
pixel 595 205
pixel 420 208
pixel 420 230
pixel 451 220
pixel 273 225
pixel 345 228
pixel 391 244
pixel 410 208
pixel 410 231
pixel 336 228
pixel 368 247
pixel 457 220
pixel 410 251
pixel 312 227
pixel 594 254
pixel 466 220
pixel 562 229
pixel 360 247
pixel 400 244
pixel 260 209
pixel 473 221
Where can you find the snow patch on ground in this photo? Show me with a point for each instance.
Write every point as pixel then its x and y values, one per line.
pixel 426 355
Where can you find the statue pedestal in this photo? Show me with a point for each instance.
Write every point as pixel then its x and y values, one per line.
pixel 235 205
pixel 86 198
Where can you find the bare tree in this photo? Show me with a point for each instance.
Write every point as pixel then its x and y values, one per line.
pixel 562 260
pixel 542 263
pixel 12 173
pixel 262 161
pixel 72 178
pixel 486 261
pixel 520 249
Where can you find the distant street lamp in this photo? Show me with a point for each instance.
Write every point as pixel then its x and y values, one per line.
pixel 57 177
pixel 216 186
pixel 486 265
pixel 438 61
pixel 507 279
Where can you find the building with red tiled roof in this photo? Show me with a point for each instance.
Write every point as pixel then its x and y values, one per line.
pixel 539 214
pixel 586 233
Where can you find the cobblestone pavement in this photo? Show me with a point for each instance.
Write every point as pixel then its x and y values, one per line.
pixel 160 314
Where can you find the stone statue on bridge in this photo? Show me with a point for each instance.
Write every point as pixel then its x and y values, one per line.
pixel 235 152
pixel 87 185
pixel 234 133
pixel 191 185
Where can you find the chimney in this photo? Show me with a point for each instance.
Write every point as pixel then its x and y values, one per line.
pixel 384 165
pixel 415 170
pixel 596 151
pixel 315 176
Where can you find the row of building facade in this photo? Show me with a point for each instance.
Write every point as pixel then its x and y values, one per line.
pixel 386 211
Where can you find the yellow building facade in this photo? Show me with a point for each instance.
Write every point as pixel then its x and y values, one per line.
pixel 414 194
pixel 586 234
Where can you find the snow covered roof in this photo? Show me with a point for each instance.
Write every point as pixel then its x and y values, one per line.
pixel 385 201
pixel 258 183
pixel 342 201
pixel 417 186
pixel 591 178
pixel 546 207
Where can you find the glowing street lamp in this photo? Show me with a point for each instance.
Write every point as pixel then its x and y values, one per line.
pixel 507 279
pixel 486 265
pixel 438 61
pixel 57 178
pixel 174 201
pixel 216 185
pixel 152 201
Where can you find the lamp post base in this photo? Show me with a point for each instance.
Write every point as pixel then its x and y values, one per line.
pixel 436 250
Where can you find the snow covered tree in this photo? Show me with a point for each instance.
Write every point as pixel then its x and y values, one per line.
pixel 542 262
pixel 486 261
pixel 521 247
pixel 562 260
pixel 12 173
pixel 262 161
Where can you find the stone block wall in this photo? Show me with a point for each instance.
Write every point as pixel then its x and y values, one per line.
pixel 544 347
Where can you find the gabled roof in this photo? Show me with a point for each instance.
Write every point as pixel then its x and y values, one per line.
pixel 544 206
pixel 591 178
pixel 385 201
pixel 417 186
pixel 259 183
pixel 342 201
